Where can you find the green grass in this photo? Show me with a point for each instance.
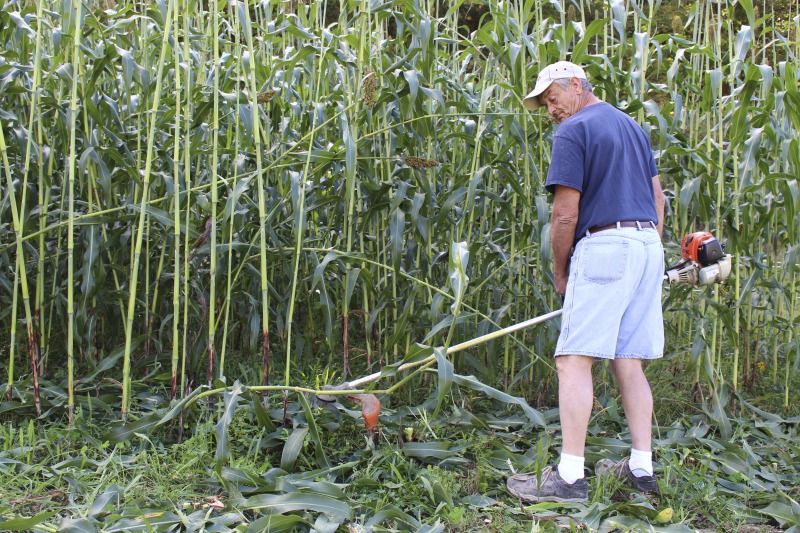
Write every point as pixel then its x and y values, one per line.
pixel 446 471
pixel 198 198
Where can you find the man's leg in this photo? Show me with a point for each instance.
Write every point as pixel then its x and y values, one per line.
pixel 637 399
pixel 575 398
pixel 565 482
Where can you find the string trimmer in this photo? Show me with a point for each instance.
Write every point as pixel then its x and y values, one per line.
pixel 703 262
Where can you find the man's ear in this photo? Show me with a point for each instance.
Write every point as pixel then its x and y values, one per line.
pixel 575 84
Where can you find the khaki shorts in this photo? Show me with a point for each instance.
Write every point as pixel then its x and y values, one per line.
pixel 612 307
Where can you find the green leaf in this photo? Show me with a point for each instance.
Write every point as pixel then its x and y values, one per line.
pixel 741 46
pixel 110 361
pixel 262 417
pixel 231 400
pixel 596 27
pixel 292 448
pixel 109 499
pixel 428 450
pixel 781 512
pixel 397 227
pixel 163 218
pixel 126 431
pixel 717 413
pixel 391 512
pixel 23 524
pixel 286 503
pixel 177 407
pixel 92 241
pixel 445 372
pixel 278 524
pixel 147 522
pixel 319 450
pixel 457 266
pixel 76 525
pixel 352 279
pixel 748 160
pixel 472 382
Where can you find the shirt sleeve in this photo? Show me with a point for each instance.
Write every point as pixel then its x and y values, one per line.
pixel 566 164
pixel 653 168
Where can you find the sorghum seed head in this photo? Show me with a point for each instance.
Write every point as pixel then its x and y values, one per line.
pixel 572 14
pixel 265 97
pixel 420 162
pixel 370 88
pixel 677 24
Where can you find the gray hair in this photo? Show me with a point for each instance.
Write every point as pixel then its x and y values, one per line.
pixel 564 83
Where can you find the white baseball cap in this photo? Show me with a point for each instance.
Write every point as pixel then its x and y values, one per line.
pixel 556 71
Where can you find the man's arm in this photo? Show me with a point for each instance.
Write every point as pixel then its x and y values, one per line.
pixel 563 221
pixel 661 199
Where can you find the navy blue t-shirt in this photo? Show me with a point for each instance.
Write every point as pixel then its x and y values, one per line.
pixel 606 155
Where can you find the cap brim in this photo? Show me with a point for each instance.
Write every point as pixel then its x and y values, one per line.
pixel 531 102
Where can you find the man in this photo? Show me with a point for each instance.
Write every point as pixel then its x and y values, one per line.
pixel 609 206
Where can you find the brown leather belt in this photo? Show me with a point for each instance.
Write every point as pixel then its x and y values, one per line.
pixel 624 224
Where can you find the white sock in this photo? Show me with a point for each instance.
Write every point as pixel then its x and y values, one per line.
pixel 570 468
pixel 641 463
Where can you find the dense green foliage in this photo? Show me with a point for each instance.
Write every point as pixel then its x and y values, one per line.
pixel 286 195
pixel 421 474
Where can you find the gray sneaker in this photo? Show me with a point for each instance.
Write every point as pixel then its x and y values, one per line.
pixel 621 470
pixel 552 489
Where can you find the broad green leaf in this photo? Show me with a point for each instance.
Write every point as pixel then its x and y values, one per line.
pixel 473 383
pixel 76 525
pixel 391 512
pixel 350 285
pixel 163 218
pixel 313 431
pixel 445 372
pixel 293 483
pixel 596 27
pixel 428 450
pixel 741 46
pixel 110 361
pixel 457 266
pixel 325 303
pixel 418 352
pixel 277 524
pixel 147 522
pixel 24 524
pixel 748 160
pixel 126 431
pixel 783 513
pixel 396 232
pixel 747 5
pixel 619 17
pixel 262 417
pixel 178 407
pixel 109 499
pixel 292 448
pixel 285 503
pixel 230 400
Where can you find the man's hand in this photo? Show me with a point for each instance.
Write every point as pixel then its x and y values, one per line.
pixel 562 230
pixel 561 284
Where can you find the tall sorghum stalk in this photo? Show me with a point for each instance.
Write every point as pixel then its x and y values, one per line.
pixel 261 192
pixel 77 7
pixel 176 216
pixel 213 29
pixel 140 230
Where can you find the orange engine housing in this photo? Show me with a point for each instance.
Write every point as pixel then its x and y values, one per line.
pixel 702 248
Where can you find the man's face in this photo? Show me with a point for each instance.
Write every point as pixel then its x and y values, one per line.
pixel 561 103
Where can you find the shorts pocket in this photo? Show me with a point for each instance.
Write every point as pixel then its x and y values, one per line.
pixel 604 262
